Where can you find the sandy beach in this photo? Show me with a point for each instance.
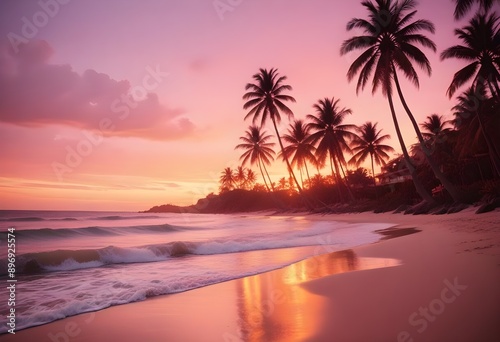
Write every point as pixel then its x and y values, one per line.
pixel 440 284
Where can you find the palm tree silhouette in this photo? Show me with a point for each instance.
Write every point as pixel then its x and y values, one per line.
pixel 481 47
pixel 436 134
pixel 258 150
pixel 266 99
pixel 368 142
pixel 463 6
pixel 299 149
pixel 240 176
pixel 227 179
pixel 329 134
pixel 471 112
pixel 434 129
pixel 388 43
pixel 250 179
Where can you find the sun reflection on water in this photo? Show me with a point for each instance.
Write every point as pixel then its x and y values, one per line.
pixel 274 307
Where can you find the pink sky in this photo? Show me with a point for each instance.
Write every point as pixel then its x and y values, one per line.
pixel 186 66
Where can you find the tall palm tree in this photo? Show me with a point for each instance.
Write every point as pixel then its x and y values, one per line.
pixel 258 150
pixel 389 42
pixel 369 142
pixel 299 149
pixel 266 98
pixel 329 134
pixel 463 6
pixel 481 48
pixel 227 179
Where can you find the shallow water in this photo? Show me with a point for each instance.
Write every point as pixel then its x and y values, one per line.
pixel 74 262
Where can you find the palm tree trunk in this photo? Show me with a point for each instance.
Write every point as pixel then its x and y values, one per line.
pixel 331 168
pixel 373 170
pixel 450 187
pixel 307 173
pixel 269 178
pixel 263 176
pixel 339 178
pixel 426 196
pixel 335 177
pixel 292 174
pixel 349 191
pixel 301 178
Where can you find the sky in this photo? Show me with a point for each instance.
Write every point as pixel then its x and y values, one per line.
pixel 123 105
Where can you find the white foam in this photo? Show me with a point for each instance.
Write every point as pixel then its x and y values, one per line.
pixel 72 264
pixel 116 255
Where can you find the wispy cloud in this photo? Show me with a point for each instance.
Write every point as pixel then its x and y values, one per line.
pixel 35 184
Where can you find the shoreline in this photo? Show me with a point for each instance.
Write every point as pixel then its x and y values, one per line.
pixel 305 303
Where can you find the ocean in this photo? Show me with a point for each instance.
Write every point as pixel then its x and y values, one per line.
pixel 70 262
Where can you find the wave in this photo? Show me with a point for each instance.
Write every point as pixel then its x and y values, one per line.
pixel 118 217
pixel 36 219
pixel 50 233
pixel 68 260
pixel 104 218
pixel 22 219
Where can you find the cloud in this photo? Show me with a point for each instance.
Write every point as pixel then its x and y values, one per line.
pixel 34 93
pixel 169 184
pixel 7 183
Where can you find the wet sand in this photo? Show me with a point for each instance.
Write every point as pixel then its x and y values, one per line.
pixel 441 284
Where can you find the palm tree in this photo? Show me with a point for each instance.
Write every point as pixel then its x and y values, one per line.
pixel 389 38
pixel 299 148
pixel 329 134
pixel 436 134
pixel 282 184
pixel 463 6
pixel 470 114
pixel 481 47
pixel 266 98
pixel 368 142
pixel 240 176
pixel 250 179
pixel 258 150
pixel 227 179
pixel 434 129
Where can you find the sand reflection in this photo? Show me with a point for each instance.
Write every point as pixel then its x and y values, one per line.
pixel 274 307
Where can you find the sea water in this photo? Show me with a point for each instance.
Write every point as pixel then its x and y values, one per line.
pixel 70 262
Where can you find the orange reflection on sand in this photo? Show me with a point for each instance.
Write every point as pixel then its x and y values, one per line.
pixel 274 307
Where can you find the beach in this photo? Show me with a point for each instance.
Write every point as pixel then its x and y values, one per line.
pixel 440 284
